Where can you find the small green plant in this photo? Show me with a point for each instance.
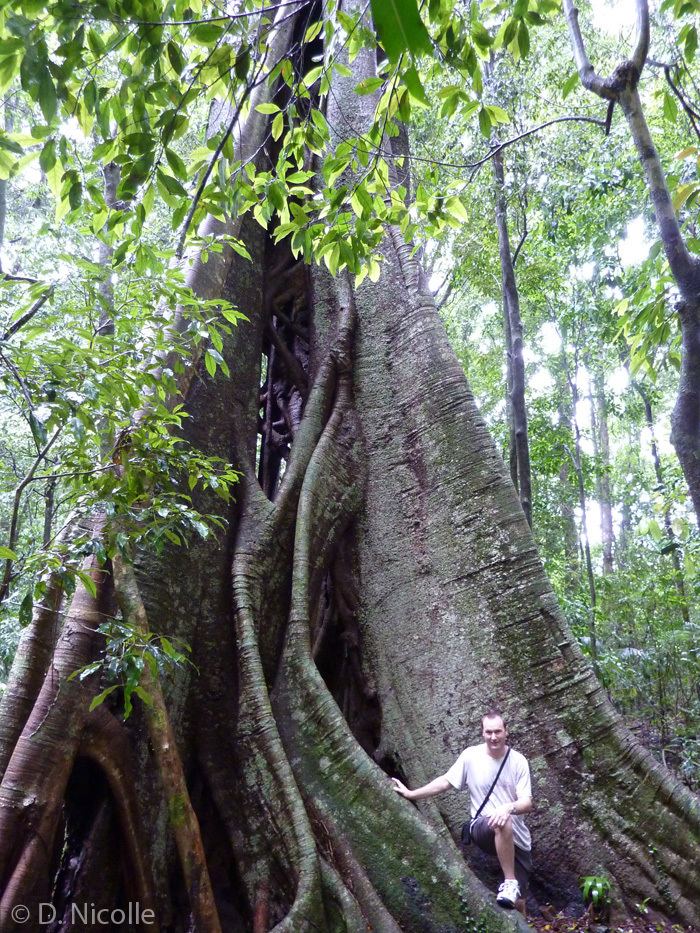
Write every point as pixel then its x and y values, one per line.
pixel 596 891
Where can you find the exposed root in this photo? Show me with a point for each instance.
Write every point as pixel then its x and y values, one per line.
pixel 28 668
pixel 342 910
pixel 183 820
pixel 32 789
pixel 340 854
pixel 32 657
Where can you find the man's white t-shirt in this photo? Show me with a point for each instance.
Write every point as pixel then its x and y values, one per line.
pixel 476 769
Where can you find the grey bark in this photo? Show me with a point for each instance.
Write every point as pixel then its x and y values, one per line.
pixel 601 447
pixel 514 347
pixel 582 499
pixel 676 551
pixel 568 517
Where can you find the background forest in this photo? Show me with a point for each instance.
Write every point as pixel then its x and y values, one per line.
pixel 523 195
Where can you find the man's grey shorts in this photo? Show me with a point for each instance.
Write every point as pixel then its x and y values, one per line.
pixel 484 837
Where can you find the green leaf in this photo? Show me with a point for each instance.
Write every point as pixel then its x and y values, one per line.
pixel 87 582
pixel 26 608
pixel 400 27
pixel 47 95
pixel 415 87
pixel 210 363
pixel 101 697
pixel 670 107
pixel 484 122
pixel 313 30
pixel 38 429
pixel 569 84
pixel 457 209
pixel 523 40
pixel 175 57
pixel 277 126
pixel 497 114
pixel 7 554
pixel 206 33
pixel 242 65
pixel 691 43
pixel 481 36
pixel 143 695
pixel 267 108
pixel 684 193
pixel 368 86
pixel 176 164
pixel 8 69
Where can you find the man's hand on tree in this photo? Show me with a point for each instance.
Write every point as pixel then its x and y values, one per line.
pixel 400 788
pixel 500 817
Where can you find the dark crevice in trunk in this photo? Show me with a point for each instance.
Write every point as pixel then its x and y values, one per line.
pixel 285 384
pixel 337 648
pixel 90 871
pixel 232 902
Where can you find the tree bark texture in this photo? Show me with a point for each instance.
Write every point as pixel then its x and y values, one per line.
pixel 514 346
pixel 601 447
pixel 568 517
pixel 676 553
pixel 352 622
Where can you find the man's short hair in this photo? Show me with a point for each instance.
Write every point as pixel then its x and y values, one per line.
pixel 493 713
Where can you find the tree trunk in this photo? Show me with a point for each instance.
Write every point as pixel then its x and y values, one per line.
pixel 673 543
pixel 601 446
pixel 622 88
pixel 581 485
pixel 515 362
pixel 685 420
pixel 353 621
pixel 568 517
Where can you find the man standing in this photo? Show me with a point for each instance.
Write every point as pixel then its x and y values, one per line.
pixel 499 829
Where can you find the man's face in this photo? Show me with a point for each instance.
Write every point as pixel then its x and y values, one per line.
pixel 495 734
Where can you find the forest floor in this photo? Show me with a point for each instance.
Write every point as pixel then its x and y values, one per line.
pixel 551 922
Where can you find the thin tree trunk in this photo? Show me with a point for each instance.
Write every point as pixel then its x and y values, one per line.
pixel 3 182
pixel 685 420
pixel 49 496
pixel 622 88
pixel 601 448
pixel 510 420
pixel 514 345
pixel 581 485
pixel 676 552
pixel 568 517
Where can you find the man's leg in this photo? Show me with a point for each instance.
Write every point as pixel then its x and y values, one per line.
pixel 505 849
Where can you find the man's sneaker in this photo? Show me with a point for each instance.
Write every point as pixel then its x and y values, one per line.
pixel 508 893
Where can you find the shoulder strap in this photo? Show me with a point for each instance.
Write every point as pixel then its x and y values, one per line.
pixel 495 781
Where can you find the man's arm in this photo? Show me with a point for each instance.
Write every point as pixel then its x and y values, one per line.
pixel 438 786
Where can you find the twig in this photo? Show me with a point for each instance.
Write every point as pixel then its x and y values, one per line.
pixel 8 277
pixel 28 315
pixel 212 19
pixel 14 520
